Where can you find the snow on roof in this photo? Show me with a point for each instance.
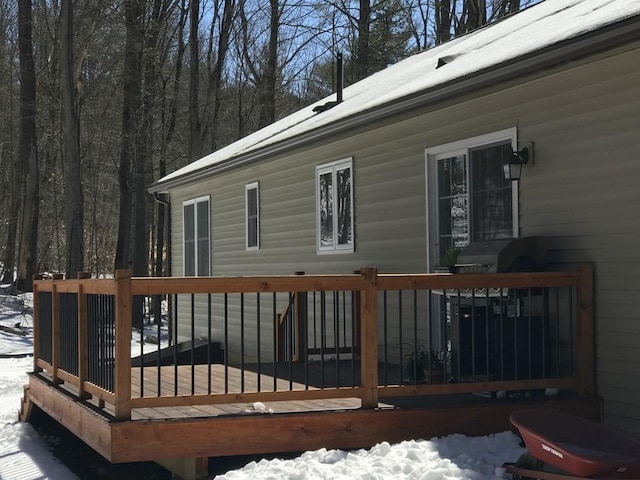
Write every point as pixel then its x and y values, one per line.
pixel 533 29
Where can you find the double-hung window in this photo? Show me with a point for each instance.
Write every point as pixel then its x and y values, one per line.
pixel 252 209
pixel 196 237
pixel 469 199
pixel 334 199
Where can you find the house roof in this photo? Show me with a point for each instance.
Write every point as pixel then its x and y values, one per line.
pixel 548 33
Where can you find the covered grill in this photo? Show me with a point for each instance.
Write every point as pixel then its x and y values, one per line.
pixel 526 254
pixel 498 333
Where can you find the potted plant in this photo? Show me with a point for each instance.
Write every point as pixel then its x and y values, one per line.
pixel 448 260
pixel 421 366
pixel 434 370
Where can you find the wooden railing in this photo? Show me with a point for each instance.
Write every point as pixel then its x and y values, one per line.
pixel 83 331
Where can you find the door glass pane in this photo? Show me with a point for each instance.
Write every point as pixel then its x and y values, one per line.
pixel 453 203
pixel 203 238
pixel 343 180
pixel 189 240
pixel 326 209
pixel 491 193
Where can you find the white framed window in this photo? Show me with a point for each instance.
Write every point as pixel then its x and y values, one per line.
pixel 252 215
pixel 334 207
pixel 468 198
pixel 196 237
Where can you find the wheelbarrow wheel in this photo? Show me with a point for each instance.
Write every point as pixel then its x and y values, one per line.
pixel 528 462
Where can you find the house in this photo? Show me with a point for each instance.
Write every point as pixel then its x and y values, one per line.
pixel 411 162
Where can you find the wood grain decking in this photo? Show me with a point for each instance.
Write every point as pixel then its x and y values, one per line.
pixel 210 380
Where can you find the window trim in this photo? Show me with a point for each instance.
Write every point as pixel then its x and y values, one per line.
pixel 438 152
pixel 252 186
pixel 333 167
pixel 195 202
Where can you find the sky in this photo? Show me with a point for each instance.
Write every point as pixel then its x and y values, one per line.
pixel 24 455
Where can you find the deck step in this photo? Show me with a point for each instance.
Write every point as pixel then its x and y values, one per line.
pixel 25 406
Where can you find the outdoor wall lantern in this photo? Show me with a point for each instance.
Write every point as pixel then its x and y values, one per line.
pixel 514 162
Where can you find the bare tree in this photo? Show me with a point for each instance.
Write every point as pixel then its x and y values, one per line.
pixel 363 48
pixel 203 116
pixel 74 204
pixel 9 184
pixel 132 91
pixel 443 20
pixel 28 151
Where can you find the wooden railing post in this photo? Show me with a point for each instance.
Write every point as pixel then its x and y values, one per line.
pixel 83 356
pixel 357 321
pixel 36 324
pixel 55 328
pixel 123 345
pixel 369 339
pixel 300 313
pixel 585 331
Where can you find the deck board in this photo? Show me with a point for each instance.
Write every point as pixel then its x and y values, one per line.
pixel 203 374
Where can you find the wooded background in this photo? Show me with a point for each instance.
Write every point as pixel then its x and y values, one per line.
pixel 101 98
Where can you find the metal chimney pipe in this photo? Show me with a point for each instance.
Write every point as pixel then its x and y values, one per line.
pixel 340 78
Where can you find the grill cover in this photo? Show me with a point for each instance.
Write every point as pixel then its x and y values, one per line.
pixel 523 254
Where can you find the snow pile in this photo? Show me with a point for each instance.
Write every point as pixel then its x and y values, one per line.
pixel 447 458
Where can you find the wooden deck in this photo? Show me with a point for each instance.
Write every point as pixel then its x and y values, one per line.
pixel 179 436
pixel 182 415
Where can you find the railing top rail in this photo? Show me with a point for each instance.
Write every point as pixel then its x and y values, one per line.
pixel 275 283
pixel 447 281
pixel 89 286
pixel 303 283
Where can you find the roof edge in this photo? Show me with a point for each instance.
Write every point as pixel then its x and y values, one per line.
pixel 604 38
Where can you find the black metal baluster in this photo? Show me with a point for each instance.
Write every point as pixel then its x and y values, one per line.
pixel 258 340
pixel 323 318
pixel 226 343
pixel 276 346
pixel 193 344
pixel 209 340
pixel 400 339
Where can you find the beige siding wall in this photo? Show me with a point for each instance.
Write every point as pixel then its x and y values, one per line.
pixel 582 192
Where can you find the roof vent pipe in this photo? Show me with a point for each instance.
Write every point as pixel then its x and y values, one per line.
pixel 340 78
pixel 339 88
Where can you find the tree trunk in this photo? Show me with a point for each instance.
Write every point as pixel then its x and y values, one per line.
pixel 74 205
pixel 269 75
pixel 28 151
pixel 443 21
pixel 131 105
pixel 195 139
pixel 216 63
pixel 362 60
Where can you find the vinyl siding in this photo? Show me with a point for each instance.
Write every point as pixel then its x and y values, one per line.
pixel 582 192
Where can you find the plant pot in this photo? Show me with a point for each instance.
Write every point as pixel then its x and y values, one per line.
pixel 434 376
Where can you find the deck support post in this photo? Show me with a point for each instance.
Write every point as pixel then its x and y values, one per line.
pixel 369 338
pixel 585 331
pixel 123 345
pixel 186 468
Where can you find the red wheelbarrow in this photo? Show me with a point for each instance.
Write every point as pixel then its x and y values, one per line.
pixel 564 447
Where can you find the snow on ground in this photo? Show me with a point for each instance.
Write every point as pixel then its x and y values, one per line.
pixel 24 455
